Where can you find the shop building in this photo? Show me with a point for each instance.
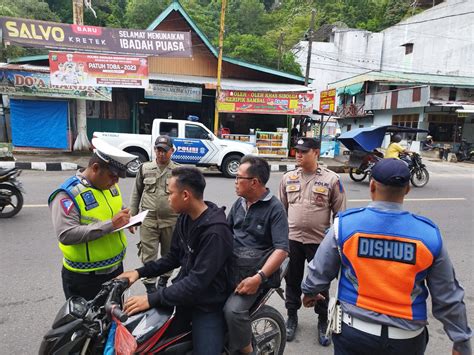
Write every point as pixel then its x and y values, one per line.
pixel 185 88
pixel 441 104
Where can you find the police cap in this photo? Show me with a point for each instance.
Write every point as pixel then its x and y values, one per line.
pixel 116 159
pixel 306 144
pixel 164 142
pixel 391 172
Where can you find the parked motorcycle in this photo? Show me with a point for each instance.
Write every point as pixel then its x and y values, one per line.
pixel 466 151
pixel 82 327
pixel 11 189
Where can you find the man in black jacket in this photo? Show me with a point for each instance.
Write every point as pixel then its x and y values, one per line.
pixel 202 247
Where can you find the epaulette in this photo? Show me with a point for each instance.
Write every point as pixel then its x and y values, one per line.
pixel 426 220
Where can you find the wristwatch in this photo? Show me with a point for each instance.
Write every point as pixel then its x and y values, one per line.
pixel 262 276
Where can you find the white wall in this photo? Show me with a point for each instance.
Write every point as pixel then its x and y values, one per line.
pixel 353 52
pixel 441 46
pixel 443 41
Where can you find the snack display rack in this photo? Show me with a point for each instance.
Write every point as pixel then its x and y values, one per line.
pixel 272 144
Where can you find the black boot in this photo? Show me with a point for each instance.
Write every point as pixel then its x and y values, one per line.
pixel 150 288
pixel 291 325
pixel 163 281
pixel 322 338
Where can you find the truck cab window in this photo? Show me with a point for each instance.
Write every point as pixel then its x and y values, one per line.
pixel 169 129
pixel 195 132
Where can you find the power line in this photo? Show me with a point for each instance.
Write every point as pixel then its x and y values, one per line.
pixel 433 19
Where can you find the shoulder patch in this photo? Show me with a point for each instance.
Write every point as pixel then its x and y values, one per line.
pixel 114 191
pixel 89 200
pixel 67 205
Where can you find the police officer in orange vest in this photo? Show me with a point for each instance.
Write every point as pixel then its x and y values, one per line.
pixel 390 259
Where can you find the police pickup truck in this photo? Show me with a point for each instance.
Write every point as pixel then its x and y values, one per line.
pixel 193 144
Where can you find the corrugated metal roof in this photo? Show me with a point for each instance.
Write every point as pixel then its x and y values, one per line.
pixel 26 67
pixel 401 78
pixel 230 84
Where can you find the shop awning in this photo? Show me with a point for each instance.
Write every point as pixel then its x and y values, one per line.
pixel 466 110
pixel 230 84
pixel 350 89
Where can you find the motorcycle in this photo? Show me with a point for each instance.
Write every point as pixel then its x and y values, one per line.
pixel 363 143
pixel 363 170
pixel 82 327
pixel 466 151
pixel 419 175
pixel 11 192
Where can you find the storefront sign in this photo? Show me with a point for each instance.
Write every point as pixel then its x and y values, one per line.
pixel 280 103
pixel 53 35
pixel 327 101
pixel 174 93
pixel 98 70
pixel 23 83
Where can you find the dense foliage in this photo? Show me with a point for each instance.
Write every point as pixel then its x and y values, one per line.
pixel 258 31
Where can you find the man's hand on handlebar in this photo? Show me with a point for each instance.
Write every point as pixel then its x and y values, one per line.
pixel 132 276
pixel 136 304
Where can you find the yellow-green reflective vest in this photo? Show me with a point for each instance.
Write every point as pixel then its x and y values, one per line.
pixel 94 206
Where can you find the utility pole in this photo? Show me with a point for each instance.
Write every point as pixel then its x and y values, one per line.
pixel 310 47
pixel 280 48
pixel 81 143
pixel 219 67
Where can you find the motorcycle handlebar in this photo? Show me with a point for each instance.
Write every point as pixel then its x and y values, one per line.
pixel 112 305
pixel 119 314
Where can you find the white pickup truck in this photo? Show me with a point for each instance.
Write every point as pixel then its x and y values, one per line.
pixel 193 144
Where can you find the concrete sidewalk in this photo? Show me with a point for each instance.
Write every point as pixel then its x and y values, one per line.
pixel 74 161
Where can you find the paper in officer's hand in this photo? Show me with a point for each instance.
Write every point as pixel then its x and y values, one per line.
pixel 134 221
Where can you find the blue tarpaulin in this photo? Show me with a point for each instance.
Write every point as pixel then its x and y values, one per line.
pixel 41 124
pixel 369 138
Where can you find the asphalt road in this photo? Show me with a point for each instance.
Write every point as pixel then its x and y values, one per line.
pixel 30 260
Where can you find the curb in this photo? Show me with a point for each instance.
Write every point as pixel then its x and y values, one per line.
pixel 42 166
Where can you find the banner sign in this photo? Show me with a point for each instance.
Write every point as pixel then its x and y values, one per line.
pixel 98 70
pixel 62 36
pixel 280 103
pixel 23 83
pixel 174 93
pixel 327 101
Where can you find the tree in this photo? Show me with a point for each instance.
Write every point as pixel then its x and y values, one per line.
pixel 141 13
pixel 32 9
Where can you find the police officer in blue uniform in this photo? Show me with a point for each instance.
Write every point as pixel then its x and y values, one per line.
pixel 389 260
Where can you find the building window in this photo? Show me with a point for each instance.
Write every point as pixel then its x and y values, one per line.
pixel 349 127
pixel 408 48
pixel 416 96
pixel 410 121
pixel 452 94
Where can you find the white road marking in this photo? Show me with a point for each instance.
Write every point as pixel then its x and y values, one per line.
pixel 420 199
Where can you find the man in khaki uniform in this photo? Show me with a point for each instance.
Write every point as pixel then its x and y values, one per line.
pixel 151 193
pixel 310 195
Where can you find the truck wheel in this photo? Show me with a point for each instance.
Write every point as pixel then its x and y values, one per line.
pixel 230 166
pixel 134 165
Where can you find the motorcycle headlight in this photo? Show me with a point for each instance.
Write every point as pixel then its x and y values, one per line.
pixel 74 308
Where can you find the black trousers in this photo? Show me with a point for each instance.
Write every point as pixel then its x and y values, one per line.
pixel 85 285
pixel 299 253
pixel 355 342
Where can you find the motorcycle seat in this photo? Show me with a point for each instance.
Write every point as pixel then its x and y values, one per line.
pixel 144 325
